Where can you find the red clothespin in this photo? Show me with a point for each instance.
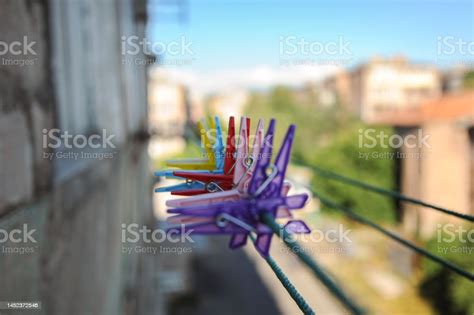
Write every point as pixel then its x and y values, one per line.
pixel 217 182
pixel 229 158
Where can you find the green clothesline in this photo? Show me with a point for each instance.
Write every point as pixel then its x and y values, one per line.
pixel 334 176
pixel 356 217
pixel 311 264
pixel 290 288
pixel 318 271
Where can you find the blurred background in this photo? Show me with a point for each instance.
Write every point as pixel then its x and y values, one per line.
pixel 96 95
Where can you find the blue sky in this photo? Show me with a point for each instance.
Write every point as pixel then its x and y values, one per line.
pixel 243 34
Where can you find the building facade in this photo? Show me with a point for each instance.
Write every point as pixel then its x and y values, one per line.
pixel 440 169
pixel 384 86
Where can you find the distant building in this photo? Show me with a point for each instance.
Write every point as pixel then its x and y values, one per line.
pixel 336 90
pixel 380 86
pixel 442 171
pixel 228 103
pixel 167 107
pixel 389 85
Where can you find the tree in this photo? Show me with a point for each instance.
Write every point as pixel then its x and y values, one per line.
pixel 328 137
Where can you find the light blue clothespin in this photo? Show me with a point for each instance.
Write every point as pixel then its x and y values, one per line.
pixel 182 186
pixel 219 146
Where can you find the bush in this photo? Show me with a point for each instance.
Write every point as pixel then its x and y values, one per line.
pixel 450 293
pixel 328 137
pixel 344 156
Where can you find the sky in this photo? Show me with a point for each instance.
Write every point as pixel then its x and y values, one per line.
pixel 263 37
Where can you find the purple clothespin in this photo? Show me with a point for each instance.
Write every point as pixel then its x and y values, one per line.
pixel 266 193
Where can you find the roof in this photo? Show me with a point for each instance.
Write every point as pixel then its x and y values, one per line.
pixel 450 107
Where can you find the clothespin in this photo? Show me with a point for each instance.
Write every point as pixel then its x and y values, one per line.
pixel 218 148
pixel 219 152
pixel 225 167
pixel 239 218
pixel 251 161
pixel 239 169
pixel 229 158
pixel 207 163
pixel 219 182
pixel 235 164
pixel 240 178
pixel 183 186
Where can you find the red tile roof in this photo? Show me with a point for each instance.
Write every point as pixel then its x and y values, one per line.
pixel 447 108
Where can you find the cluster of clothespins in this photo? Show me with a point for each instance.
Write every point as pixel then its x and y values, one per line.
pixel 233 184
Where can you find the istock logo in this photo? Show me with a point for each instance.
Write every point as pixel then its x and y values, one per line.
pixel 371 138
pixel 55 138
pixel 134 45
pixel 17 235
pixel 294 45
pixel 339 235
pixel 449 233
pixel 450 45
pixel 211 135
pixel 18 53
pixel 455 239
pixel 134 233
pixel 17 47
pixel 301 51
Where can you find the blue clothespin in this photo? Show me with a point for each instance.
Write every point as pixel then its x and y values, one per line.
pixel 219 146
pixel 182 186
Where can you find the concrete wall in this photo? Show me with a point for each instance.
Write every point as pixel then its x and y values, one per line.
pixel 410 184
pixel 77 266
pixel 77 80
pixel 445 172
pixel 26 104
pixel 438 173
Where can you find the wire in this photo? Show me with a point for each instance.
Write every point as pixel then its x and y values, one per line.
pixel 318 271
pixel 290 288
pixel 332 175
pixel 351 214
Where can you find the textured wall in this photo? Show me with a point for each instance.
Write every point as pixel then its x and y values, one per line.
pixel 26 104
pixel 447 161
pixel 77 266
pixel 75 81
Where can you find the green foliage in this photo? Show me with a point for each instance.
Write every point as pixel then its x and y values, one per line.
pixel 469 80
pixel 328 137
pixel 344 156
pixel 447 291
